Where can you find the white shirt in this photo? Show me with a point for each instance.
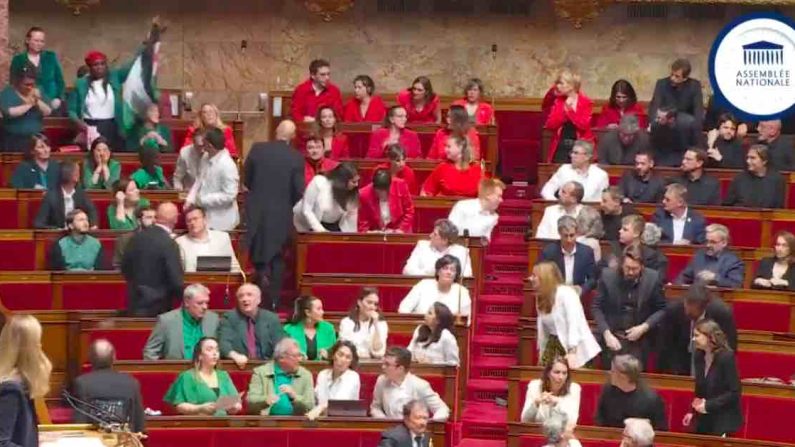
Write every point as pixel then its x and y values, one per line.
pixel 569 403
pixel 570 326
pixel 568 265
pixel 389 398
pixel 548 227
pixel 679 226
pixel 363 338
pixel 187 169
pixel 443 352
pixel 469 215
pixel 345 387
pixel 383 207
pixel 593 181
pixel 426 292
pixel 422 261
pixel 68 201
pixel 100 104
pixel 318 205
pixel 217 189
pixel 218 243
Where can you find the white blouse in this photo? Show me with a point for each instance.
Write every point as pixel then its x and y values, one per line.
pixel 363 337
pixel 426 292
pixel 344 387
pixel 569 404
pixel 318 205
pixel 442 352
pixel 469 215
pixel 422 261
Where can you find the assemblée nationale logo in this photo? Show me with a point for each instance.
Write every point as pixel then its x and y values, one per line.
pixel 752 66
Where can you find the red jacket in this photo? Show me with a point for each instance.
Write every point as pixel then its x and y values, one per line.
pixel 581 118
pixel 339 147
pixel 426 115
pixel 406 174
pixel 408 139
pixel 401 208
pixel 484 114
pixel 229 139
pixel 440 140
pixel 306 102
pixel 376 111
pixel 447 180
pixel 311 169
pixel 612 115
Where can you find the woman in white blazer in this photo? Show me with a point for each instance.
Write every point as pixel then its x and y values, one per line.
pixel 365 327
pixel 554 391
pixel 562 328
pixel 330 203
pixel 433 341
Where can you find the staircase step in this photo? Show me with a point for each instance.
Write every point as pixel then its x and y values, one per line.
pixel 504 286
pixel 486 390
pixel 476 442
pixel 495 345
pixel 491 368
pixel 498 306
pixel 484 420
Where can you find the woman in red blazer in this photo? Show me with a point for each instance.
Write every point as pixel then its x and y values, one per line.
pixel 480 112
pixel 394 132
pixel 398 168
pixel 569 119
pixel 315 161
pixel 364 106
pixel 421 103
pixel 623 101
pixel 458 176
pixel 457 124
pixel 397 216
pixel 335 143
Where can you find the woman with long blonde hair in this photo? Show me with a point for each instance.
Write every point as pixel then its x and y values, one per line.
pixel 562 328
pixel 24 376
pixel 210 116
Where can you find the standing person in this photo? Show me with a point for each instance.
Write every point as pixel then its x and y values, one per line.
pixel 23 109
pixel 275 171
pixel 315 92
pixel 364 106
pixel 385 205
pixel 576 262
pixel 217 186
pixel 210 117
pixel 569 119
pixel 681 93
pixel 330 203
pixel 480 112
pixel 189 163
pixel 49 78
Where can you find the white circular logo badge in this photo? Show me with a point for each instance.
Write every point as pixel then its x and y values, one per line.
pixel 752 66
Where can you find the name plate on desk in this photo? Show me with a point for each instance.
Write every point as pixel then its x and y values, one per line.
pixel 76 438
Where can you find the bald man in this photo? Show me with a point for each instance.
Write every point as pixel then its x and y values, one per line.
pixel 274 176
pixel 152 266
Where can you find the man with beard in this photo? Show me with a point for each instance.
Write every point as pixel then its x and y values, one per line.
pixel 670 136
pixel 619 146
pixel 702 189
pixel 780 147
pixel 78 250
pixel 715 265
pixel 642 185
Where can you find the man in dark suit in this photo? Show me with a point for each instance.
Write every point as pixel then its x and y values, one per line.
pixel 679 223
pixel 702 188
pixel 413 431
pixel 152 266
pixel 716 264
pixel 629 302
pixel 575 260
pixel 248 332
pixel 274 176
pixel 116 392
pixel 59 201
pixel 780 147
pixel 681 315
pixel 680 92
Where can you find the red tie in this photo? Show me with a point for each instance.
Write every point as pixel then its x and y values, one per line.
pixel 251 340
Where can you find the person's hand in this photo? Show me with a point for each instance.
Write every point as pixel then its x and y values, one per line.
pixel 35 94
pixel 706 275
pixel 700 405
pixel 611 341
pixel 309 119
pixel 93 228
pixel 571 358
pixel 56 103
pixel 635 332
pixel 237 408
pixel 778 282
pixel 714 154
pixel 288 390
pixel 687 419
pixel 712 137
pixel 323 354
pixel 762 282
pixel 571 102
pixel 578 289
pixel 612 126
pixel 120 196
pixel 682 242
pixel 314 413
pixel 373 316
pixel 239 359
pixel 272 399
pixel 627 200
pixel 208 408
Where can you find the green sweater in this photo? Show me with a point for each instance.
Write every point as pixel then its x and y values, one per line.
pixel 28 175
pixel 145 180
pixel 325 336
pixel 73 254
pixel 191 389
pixel 50 76
pixel 29 123
pixel 129 223
pixel 134 140
pixel 88 173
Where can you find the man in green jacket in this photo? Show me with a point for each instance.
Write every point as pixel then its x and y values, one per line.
pixel 281 387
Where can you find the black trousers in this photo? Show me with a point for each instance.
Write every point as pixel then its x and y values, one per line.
pixel 270 278
pixel 108 129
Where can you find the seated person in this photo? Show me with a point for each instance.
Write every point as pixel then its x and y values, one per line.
pixel 589 230
pixel 569 117
pixel 397 385
pixel 633 230
pixel 555 390
pixel 150 128
pixel 457 124
pixel 569 204
pixel 150 174
pixel 202 241
pixel 197 390
pixel 593 179
pixel 306 326
pixel 189 163
pixel 703 189
pixel 758 186
pixel 623 102
pixel 575 261
pixel 613 209
pixel 441 241
pixel 210 117
pixel 100 171
pixel 335 144
pixel 398 167
pixel 716 108
pixel 480 112
pixel 637 433
pixel 330 202
pixel 679 223
pixel 249 332
pixel 315 160
pixel 724 144
pixel 177 331
pixel 78 250
pixel 478 217
pixel 445 288
pixel 364 106
pixel 433 341
pixel 217 188
pixel 340 381
pixel 281 387
pixel 778 271
pixel 128 203
pixel 58 202
pixel 394 132
pixel 620 145
pixel 671 136
pixel 421 102
pixel 642 185
pixel 365 326
pixel 385 205
pixel 458 175
pixel 782 157
pixel 145 218
pixel 413 431
pixel 107 389
pixel 627 396
pixel 37 170
pixel 22 109
pixel 715 264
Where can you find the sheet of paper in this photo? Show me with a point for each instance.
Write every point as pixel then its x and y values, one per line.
pixel 227 402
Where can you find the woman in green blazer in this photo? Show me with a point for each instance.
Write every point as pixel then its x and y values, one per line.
pixel 49 77
pixel 100 171
pixel 314 336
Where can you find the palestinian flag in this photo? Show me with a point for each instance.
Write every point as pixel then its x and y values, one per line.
pixel 140 88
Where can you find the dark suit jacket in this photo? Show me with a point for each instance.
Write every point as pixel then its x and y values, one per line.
pixel 400 436
pixel 106 384
pixel 728 268
pixel 584 274
pixel 234 326
pixel 695 226
pixel 686 98
pixel 18 421
pixel 606 305
pixel 782 157
pixel 722 390
pixel 153 269
pixel 765 270
pixel 653 258
pixel 51 211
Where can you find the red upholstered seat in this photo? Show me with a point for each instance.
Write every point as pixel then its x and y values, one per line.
pixel 426 141
pixel 765 364
pixel 744 232
pixel 8 213
pixel 94 296
pixel 358 144
pixel 425 217
pixel 129 343
pixel 519 143
pixel 26 295
pixel 768 418
pixel 259 437
pixel 18 255
pixel 339 298
pixel 761 316
pixel 347 258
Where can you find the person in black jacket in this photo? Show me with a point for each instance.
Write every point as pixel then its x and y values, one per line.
pixel 759 186
pixel 716 407
pixel 627 396
pixel 413 431
pixel 583 265
pixel 642 185
pixel 778 272
pixel 725 144
pixel 631 232
pixel 680 92
pixel 152 266
pixel 59 201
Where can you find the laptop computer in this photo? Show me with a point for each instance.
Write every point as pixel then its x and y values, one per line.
pixel 213 263
pixel 347 408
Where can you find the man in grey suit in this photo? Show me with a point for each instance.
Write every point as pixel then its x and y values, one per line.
pixel 169 339
pixel 249 332
pixel 413 431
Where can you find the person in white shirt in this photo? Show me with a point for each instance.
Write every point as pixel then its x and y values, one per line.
pixel 433 341
pixel 340 382
pixel 593 178
pixel 201 241
pixel 218 184
pixel 444 289
pixel 553 391
pixel 397 386
pixel 478 217
pixel 441 241
pixel 330 203
pixel 365 327
pixel 189 163
pixel 569 204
